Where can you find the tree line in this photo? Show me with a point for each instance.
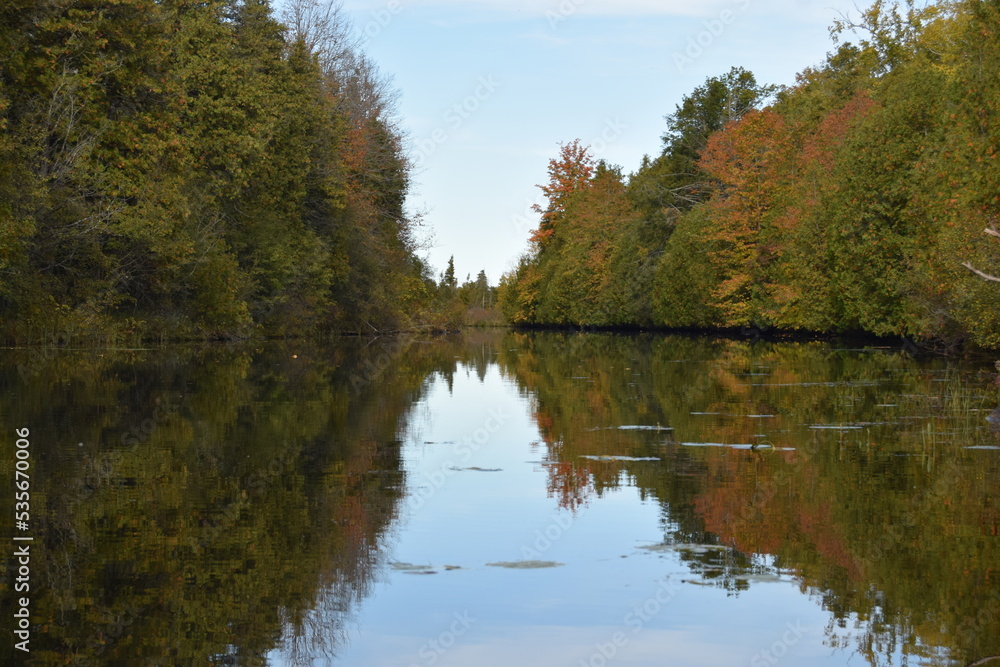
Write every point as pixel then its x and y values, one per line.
pixel 854 200
pixel 473 303
pixel 199 169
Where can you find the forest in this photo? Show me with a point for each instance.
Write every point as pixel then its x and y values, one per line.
pixel 182 169
pixel 863 198
pixel 215 170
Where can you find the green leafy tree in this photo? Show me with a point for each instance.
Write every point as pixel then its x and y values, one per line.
pixel 674 182
pixel 198 169
pixel 745 159
pixel 685 278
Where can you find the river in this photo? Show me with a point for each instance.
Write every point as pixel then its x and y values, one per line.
pixel 503 498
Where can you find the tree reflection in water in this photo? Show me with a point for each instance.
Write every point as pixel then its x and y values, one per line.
pixel 212 504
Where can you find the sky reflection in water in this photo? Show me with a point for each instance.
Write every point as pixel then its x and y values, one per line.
pixel 471 501
pixel 475 500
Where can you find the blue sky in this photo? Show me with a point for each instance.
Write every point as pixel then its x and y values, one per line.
pixel 489 88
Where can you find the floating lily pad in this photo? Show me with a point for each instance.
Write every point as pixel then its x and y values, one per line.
pixel 525 564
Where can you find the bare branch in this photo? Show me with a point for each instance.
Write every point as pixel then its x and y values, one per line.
pixel 323 27
pixel 979 273
pixel 984 661
pixel 991 232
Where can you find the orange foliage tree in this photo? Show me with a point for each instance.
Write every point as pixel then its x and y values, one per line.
pixel 570 172
pixel 743 159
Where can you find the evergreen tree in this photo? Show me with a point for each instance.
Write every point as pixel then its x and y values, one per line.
pixel 197 169
pixel 857 200
pixel 448 280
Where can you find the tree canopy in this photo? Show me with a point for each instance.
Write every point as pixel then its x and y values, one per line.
pixel 198 169
pixel 854 200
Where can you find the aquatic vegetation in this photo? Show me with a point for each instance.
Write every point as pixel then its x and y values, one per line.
pixel 525 564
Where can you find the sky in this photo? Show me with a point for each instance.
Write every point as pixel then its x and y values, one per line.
pixel 490 88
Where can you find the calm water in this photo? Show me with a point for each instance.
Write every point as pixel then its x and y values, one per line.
pixel 505 499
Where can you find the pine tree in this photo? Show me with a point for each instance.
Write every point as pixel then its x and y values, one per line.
pixel 448 280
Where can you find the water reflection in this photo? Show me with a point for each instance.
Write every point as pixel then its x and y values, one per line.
pixel 867 476
pixel 340 504
pixel 196 505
